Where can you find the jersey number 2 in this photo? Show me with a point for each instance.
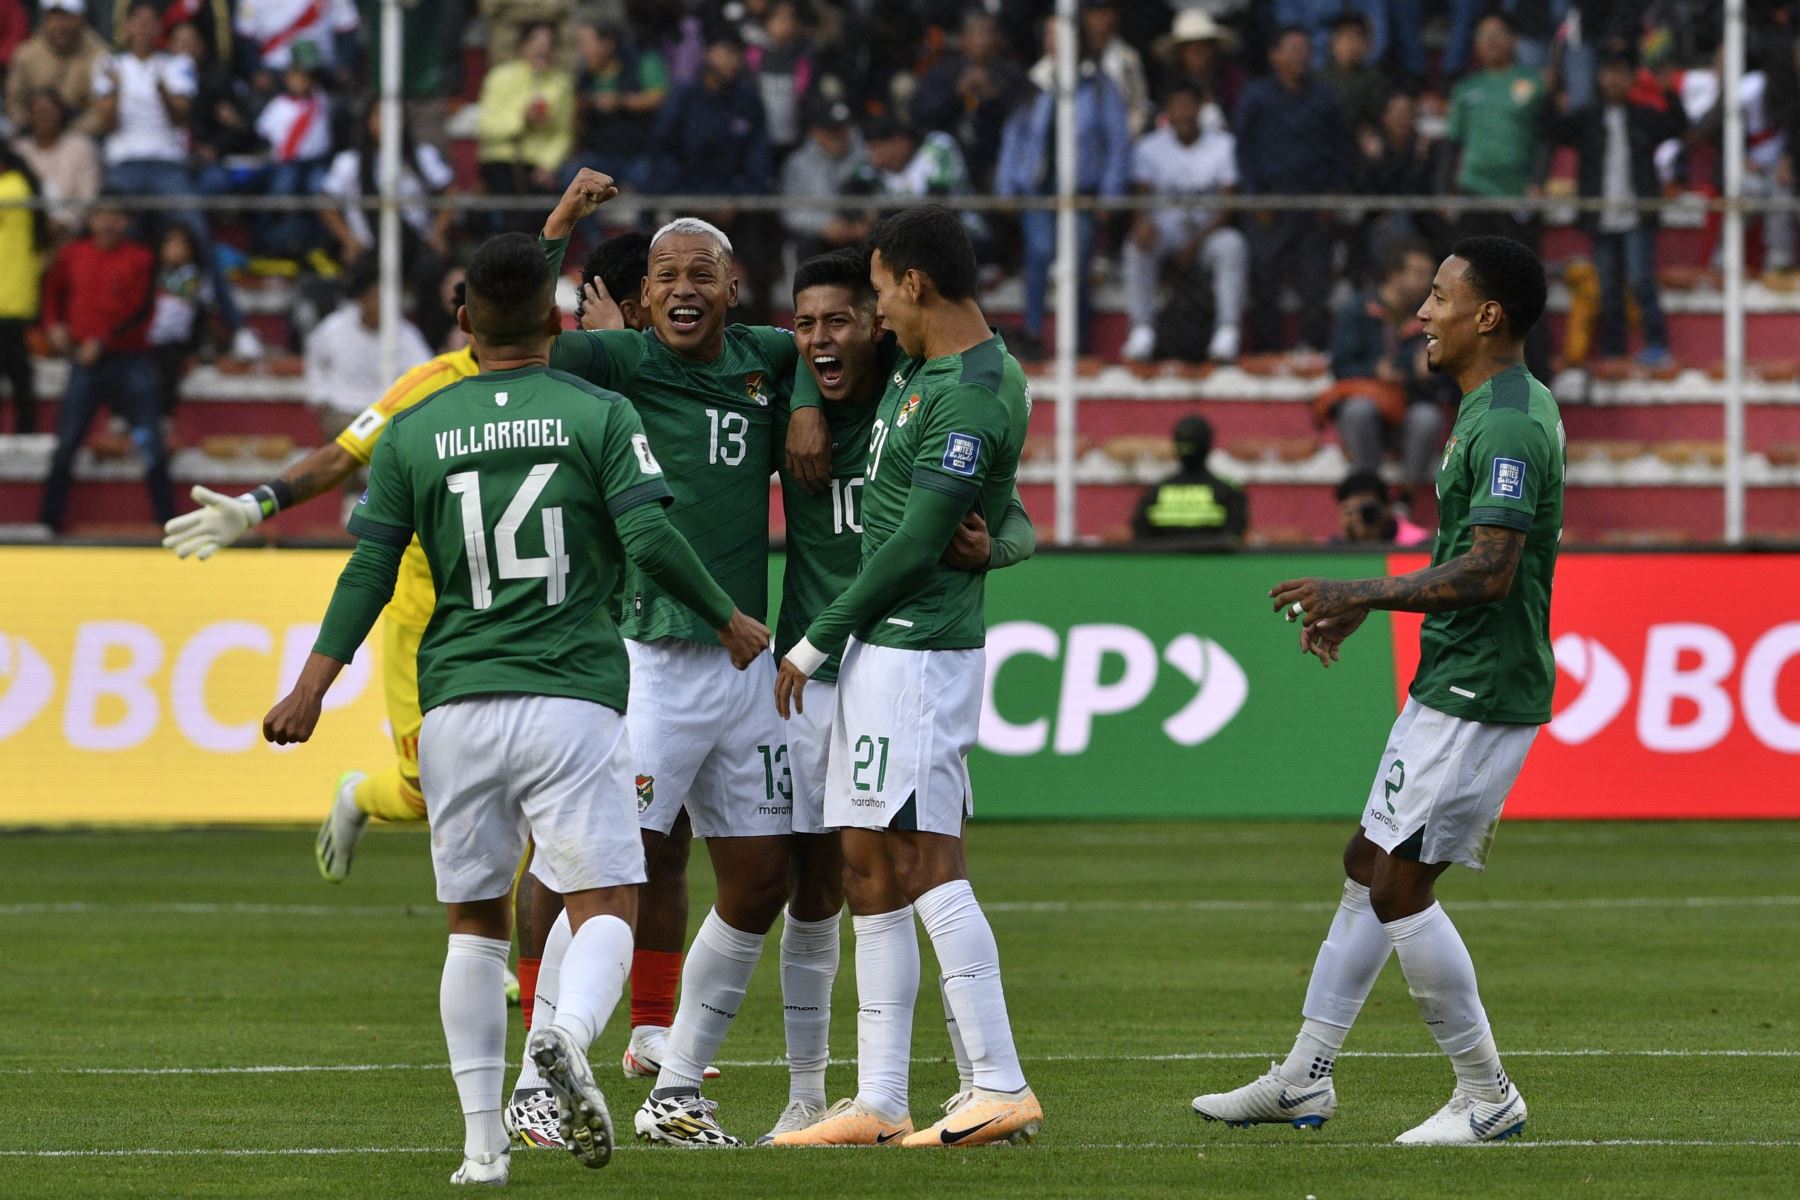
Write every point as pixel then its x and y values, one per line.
pixel 552 568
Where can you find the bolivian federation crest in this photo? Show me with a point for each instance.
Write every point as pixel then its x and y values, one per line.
pixel 908 409
pixel 753 389
pixel 646 789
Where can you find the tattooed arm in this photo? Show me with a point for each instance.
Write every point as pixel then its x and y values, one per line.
pixel 221 520
pixel 1483 575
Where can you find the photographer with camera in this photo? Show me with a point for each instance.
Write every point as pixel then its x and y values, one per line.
pixel 1366 515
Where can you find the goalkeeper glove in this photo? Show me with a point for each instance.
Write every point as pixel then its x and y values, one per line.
pixel 219 521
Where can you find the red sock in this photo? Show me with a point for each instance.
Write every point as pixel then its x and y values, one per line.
pixel 654 977
pixel 528 973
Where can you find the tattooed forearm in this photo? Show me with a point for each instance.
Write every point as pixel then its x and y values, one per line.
pixel 1481 576
pixel 319 472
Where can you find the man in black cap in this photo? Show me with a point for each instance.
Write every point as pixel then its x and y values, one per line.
pixel 1192 508
pixel 823 165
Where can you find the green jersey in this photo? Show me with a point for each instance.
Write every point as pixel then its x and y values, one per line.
pixel 513 482
pixel 824 531
pixel 1503 466
pixel 713 427
pixel 953 425
pixel 1497 118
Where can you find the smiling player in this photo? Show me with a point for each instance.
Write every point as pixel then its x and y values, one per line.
pixel 1483 688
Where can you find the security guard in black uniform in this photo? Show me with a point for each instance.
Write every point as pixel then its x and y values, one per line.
pixel 1193 507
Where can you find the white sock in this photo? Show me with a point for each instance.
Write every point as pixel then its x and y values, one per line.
pixel 1441 977
pixel 1349 962
pixel 543 1011
pixel 809 964
pixel 593 978
pixel 970 960
pixel 965 1070
pixel 713 981
pixel 472 1003
pixel 887 988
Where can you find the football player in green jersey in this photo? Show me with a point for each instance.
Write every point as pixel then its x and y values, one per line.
pixel 845 359
pixel 704 739
pixel 946 439
pixel 1482 690
pixel 530 491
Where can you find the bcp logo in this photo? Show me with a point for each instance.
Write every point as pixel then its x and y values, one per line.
pixel 1219 683
pixel 1686 697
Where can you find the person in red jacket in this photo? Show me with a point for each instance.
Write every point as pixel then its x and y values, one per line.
pixel 97 304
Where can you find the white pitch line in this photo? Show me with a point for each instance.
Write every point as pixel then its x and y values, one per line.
pixel 1285 1144
pixel 1603 903
pixel 760 1063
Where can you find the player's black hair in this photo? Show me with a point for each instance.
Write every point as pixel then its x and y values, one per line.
pixel 1507 272
pixel 510 289
pixel 1395 251
pixel 847 268
pixel 1362 483
pixel 621 263
pixel 931 240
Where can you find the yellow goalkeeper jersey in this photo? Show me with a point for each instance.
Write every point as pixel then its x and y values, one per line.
pixel 414 594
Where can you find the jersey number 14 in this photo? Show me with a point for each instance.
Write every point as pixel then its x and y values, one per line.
pixel 552 567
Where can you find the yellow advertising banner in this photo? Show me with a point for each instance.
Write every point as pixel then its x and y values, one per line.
pixel 133 687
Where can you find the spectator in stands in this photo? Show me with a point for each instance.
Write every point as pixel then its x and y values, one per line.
pixel 1196 53
pixel 1123 65
pixel 1770 98
pixel 1394 159
pixel 712 140
pixel 1616 139
pixel 899 162
pixel 1386 24
pixel 24 237
pixel 620 88
pixel 178 314
pixel 219 127
pixel 144 98
pixel 15 27
pixel 1291 140
pixel 824 165
pixel 968 92
pixel 1383 392
pixel 1192 155
pixel 1361 87
pixel 352 175
pixel 1367 515
pixel 527 125
pixel 343 354
pixel 65 160
pixel 1531 21
pixel 1027 167
pixel 782 63
pixel 1193 508
pixel 509 23
pixel 97 303
pixel 60 56
pixel 269 30
pixel 1497 123
pixel 297 127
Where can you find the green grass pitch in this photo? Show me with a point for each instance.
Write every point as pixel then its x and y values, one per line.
pixel 1642 982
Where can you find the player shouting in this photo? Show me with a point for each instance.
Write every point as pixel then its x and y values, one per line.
pixel 946 439
pixel 1483 687
pixel 528 490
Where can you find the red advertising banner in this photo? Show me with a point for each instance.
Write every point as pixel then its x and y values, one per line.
pixel 1677 689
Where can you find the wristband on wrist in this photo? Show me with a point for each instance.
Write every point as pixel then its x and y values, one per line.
pixel 270 498
pixel 806 658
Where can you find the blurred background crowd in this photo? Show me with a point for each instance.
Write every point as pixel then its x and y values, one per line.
pixel 865 102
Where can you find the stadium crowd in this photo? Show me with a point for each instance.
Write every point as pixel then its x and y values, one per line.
pixel 874 101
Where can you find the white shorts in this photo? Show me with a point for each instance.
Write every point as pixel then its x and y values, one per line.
pixel 809 749
pixel 1442 784
pixel 899 744
pixel 495 769
pixel 706 737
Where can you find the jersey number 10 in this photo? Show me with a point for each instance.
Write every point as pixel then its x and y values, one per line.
pixel 552 568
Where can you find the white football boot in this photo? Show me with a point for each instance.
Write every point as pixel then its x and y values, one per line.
pixel 335 847
pixel 1468 1121
pixel 1272 1100
pixel 490 1169
pixel 795 1117
pixel 582 1119
pixel 644 1053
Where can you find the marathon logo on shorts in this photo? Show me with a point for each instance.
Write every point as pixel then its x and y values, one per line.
pixel 1509 479
pixel 646 789
pixel 867 802
pixel 961 453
